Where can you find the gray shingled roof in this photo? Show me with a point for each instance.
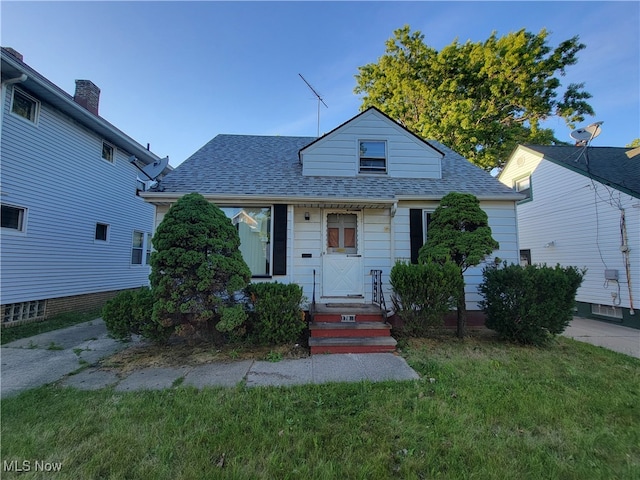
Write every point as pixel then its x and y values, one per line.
pixel 609 165
pixel 269 166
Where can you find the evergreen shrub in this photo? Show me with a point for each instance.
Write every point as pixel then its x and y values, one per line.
pixel 276 312
pixel 423 294
pixel 529 304
pixel 129 313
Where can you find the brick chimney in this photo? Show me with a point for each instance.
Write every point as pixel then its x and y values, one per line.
pixel 15 53
pixel 87 95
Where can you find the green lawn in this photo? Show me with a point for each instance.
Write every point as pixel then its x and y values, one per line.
pixel 483 409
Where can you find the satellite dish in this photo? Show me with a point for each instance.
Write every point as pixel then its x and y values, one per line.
pixel 585 135
pixel 153 170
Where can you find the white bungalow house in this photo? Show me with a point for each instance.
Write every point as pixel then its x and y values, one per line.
pixel 582 208
pixel 74 229
pixel 334 213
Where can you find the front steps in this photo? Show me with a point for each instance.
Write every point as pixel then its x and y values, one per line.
pixel 349 328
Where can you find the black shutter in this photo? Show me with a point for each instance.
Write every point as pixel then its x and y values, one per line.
pixel 279 239
pixel 415 232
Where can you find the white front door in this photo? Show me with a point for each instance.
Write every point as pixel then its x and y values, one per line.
pixel 342 266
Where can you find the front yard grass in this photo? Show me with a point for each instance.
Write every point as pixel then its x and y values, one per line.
pixel 482 409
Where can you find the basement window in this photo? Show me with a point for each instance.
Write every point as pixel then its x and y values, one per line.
pixel 15 313
pixel 606 311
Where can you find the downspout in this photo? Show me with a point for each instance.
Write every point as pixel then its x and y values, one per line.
pixel 10 81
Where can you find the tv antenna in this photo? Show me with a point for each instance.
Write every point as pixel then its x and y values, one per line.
pixel 319 100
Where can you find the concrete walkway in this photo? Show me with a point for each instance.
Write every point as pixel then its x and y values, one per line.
pixel 607 335
pixel 53 356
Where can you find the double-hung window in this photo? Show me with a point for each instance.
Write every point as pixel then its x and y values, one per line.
pixel 24 106
pixel 372 156
pixel 137 248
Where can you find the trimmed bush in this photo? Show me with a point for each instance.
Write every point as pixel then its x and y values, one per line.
pixel 423 294
pixel 529 304
pixel 128 313
pixel 197 269
pixel 277 316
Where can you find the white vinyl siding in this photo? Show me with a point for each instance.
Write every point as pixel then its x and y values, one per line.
pixel 52 171
pixel 582 219
pixel 502 220
pixel 337 154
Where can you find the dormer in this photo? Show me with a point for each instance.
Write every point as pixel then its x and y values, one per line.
pixel 371 144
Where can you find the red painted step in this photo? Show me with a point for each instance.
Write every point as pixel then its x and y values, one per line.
pixel 352 345
pixel 358 329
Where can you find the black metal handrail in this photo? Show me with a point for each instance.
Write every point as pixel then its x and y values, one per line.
pixel 312 309
pixel 377 295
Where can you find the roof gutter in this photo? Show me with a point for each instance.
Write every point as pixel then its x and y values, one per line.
pixel 503 197
pixel 161 197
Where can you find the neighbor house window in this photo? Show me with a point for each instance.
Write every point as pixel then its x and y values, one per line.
pixel 107 152
pixel 254 228
pixel 373 156
pixel 523 185
pixel 102 230
pixel 148 249
pixel 13 218
pixel 525 257
pixel 24 106
pixel 137 248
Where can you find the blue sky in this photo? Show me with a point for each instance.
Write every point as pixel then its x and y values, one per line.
pixel 175 74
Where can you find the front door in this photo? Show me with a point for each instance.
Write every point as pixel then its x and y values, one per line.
pixel 342 267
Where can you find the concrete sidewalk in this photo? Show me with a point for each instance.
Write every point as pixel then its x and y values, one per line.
pixel 53 356
pixel 607 335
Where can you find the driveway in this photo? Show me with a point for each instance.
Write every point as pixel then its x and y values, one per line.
pixel 608 335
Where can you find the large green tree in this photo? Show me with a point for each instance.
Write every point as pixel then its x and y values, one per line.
pixel 459 231
pixel 482 98
pixel 197 268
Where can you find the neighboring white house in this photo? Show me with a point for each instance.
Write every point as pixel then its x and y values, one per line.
pixel 583 209
pixel 74 229
pixel 327 212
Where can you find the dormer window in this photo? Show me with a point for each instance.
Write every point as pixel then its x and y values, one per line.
pixel 373 156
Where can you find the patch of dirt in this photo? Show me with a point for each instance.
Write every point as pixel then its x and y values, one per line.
pixel 181 353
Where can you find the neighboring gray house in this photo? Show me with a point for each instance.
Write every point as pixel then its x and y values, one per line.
pixel 334 213
pixel 583 209
pixel 74 229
